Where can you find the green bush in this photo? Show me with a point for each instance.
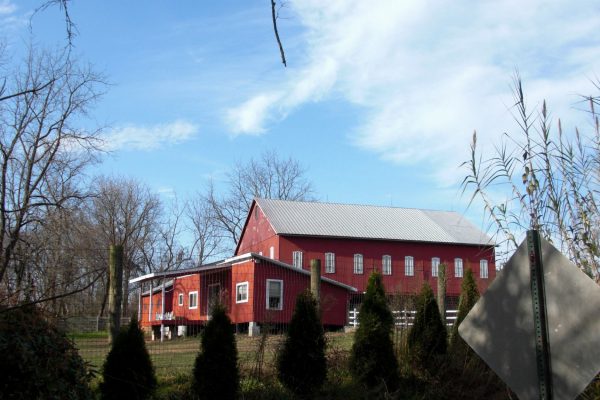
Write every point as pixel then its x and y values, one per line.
pixel 427 338
pixel 469 295
pixel 301 365
pixel 128 371
pixel 38 361
pixel 216 374
pixel 373 362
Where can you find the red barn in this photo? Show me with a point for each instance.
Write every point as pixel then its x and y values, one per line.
pixel 271 263
pixel 405 244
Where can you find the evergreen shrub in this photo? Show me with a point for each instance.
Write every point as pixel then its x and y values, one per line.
pixel 427 338
pixel 38 361
pixel 373 362
pixel 301 364
pixel 216 374
pixel 128 372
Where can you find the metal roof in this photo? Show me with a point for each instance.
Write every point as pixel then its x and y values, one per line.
pixel 300 218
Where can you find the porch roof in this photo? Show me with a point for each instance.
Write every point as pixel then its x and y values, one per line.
pixel 228 263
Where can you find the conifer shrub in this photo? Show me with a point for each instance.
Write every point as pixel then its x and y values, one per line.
pixel 216 374
pixel 128 372
pixel 373 362
pixel 37 359
pixel 469 295
pixel 427 338
pixel 301 364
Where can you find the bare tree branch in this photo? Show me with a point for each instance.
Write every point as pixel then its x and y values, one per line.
pixel 274 17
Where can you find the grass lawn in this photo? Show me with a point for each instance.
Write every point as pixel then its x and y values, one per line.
pixel 175 357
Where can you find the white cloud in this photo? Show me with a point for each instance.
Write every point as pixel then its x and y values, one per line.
pixel 132 137
pixel 7 7
pixel 428 73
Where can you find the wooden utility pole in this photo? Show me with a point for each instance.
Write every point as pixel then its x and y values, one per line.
pixel 441 291
pixel 115 291
pixel 315 279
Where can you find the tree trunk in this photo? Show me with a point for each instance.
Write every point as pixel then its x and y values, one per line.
pixel 115 291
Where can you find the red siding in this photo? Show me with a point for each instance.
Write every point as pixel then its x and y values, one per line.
pixel 258 235
pixel 184 285
pixel 373 251
pixel 156 305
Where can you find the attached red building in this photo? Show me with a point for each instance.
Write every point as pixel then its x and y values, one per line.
pixel 271 263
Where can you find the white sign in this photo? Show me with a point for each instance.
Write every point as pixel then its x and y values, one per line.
pixel 500 327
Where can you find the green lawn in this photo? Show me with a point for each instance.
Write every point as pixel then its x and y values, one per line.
pixel 173 357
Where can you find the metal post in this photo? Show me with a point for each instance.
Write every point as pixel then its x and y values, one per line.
pixel 150 303
pixel 139 313
pixel 162 311
pixel 542 344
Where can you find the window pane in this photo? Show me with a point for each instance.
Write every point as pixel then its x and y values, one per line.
pixel 458 268
pixel 386 265
pixel 435 263
pixel 358 264
pixel 483 269
pixel 274 293
pixel 409 268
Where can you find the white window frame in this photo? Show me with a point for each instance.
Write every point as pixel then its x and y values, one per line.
pixel 272 252
pixel 358 264
pixel 458 267
pixel 386 264
pixel 237 293
pixel 435 266
pixel 409 266
pixel 483 269
pixel 330 263
pixel 269 281
pixel 193 295
pixel 180 299
pixel 297 259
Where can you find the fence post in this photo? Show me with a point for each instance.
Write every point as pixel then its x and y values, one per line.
pixel 441 291
pixel 115 291
pixel 315 280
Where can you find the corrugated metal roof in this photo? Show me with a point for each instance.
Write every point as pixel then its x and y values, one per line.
pixel 370 222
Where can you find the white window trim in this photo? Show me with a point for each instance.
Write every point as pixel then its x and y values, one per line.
pixel 190 294
pixel 435 266
pixel 247 292
pixel 300 255
pixel 280 294
pixel 358 264
pixel 383 264
pixel 409 266
pixel 180 299
pixel 484 269
pixel 330 267
pixel 458 272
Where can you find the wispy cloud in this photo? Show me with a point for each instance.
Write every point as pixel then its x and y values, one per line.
pixel 134 137
pixel 428 73
pixel 7 7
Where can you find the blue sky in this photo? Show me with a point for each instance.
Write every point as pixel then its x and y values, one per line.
pixel 379 100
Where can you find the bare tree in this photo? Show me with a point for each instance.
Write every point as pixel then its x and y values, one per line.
pixel 126 213
pixel 551 181
pixel 269 177
pixel 208 238
pixel 173 254
pixel 42 151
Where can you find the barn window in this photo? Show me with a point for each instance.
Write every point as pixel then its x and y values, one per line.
pixel 358 264
pixel 272 252
pixel 297 259
pixel 458 267
pixel 435 265
pixel 386 265
pixel 274 294
pixel 193 300
pixel 483 269
pixel 241 292
pixel 409 266
pixel 180 299
pixel 330 263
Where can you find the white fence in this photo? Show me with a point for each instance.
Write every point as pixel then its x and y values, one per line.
pixel 402 318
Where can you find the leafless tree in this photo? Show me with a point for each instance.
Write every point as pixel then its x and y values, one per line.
pixel 173 254
pixel 267 177
pixel 127 213
pixel 42 151
pixel 208 238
